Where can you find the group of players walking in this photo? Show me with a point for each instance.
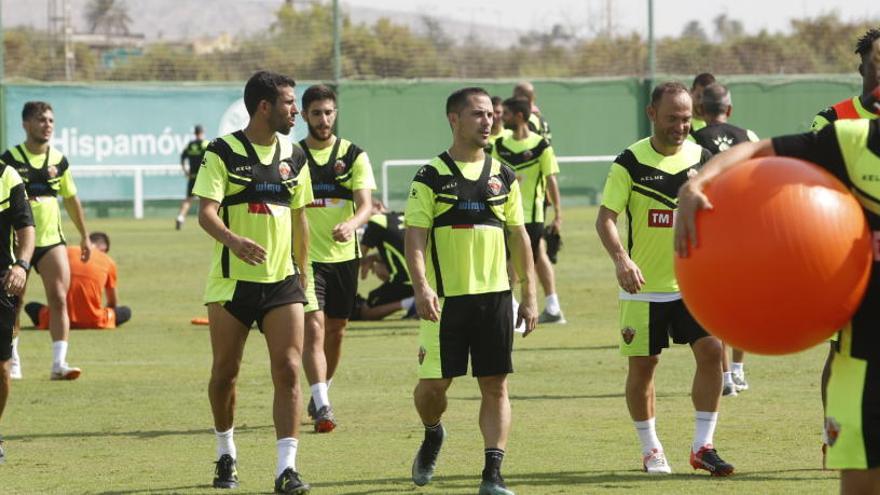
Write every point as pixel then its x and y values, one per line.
pixel 287 256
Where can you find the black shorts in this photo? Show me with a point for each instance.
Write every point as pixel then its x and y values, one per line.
pixel 478 325
pixel 252 300
pixel 384 294
pixel 8 306
pixel 333 288
pixel 536 233
pixel 39 252
pixel 190 183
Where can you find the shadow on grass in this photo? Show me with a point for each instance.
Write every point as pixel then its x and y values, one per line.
pixel 146 491
pixel 572 348
pixel 137 434
pixel 568 397
pixel 465 484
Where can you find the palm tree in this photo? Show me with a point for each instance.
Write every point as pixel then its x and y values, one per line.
pixel 108 16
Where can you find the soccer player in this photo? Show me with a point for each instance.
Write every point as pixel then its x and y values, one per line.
pixel 718 135
pixel 15 215
pixel 532 159
pixel 87 282
pixel 700 82
pixel 849 149
pixel 537 123
pixel 342 180
pixel 459 207
pixel 643 182
pixel 384 232
pixel 46 175
pixel 254 188
pixel 498 128
pixel 857 107
pixel 190 161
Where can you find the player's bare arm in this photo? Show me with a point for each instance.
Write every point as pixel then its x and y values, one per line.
pixel 364 209
pixel 76 214
pixel 300 225
pixel 523 262
pixel 629 276
pixel 427 302
pixel 556 200
pixel 691 197
pixel 16 277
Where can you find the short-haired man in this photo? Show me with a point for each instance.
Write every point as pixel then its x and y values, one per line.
pixel 15 217
pixel 190 161
pixel 643 182
pixel 858 107
pixel 532 159
pixel 254 188
pixel 537 123
pixel 718 135
pixel 46 175
pixel 498 129
pixel 342 181
pixel 459 207
pixel 700 82
pixel 849 149
pixel 87 282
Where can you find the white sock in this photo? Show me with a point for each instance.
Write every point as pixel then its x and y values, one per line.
pixel 225 445
pixel 59 353
pixel 286 454
pixel 648 435
pixel 737 368
pixel 180 218
pixel 551 304
pixel 407 303
pixel 704 429
pixel 15 359
pixel 319 395
pixel 728 378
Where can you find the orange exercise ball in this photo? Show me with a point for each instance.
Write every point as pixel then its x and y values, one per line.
pixel 783 259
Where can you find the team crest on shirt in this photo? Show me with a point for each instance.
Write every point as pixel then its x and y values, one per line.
pixel 339 167
pixel 422 353
pixel 494 185
pixel 832 430
pixel 527 154
pixel 284 170
pixel 628 334
pixel 53 171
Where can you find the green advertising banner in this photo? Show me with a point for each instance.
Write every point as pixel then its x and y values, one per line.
pixel 132 124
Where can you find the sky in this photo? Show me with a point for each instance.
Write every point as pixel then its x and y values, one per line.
pixel 629 15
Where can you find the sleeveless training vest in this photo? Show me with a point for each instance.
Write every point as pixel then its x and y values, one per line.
pixel 263 185
pixel 471 205
pixel 327 180
pixel 38 181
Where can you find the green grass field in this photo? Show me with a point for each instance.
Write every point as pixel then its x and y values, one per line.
pixel 138 420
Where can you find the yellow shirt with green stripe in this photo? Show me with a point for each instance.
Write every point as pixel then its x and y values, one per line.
pixel 326 213
pixel 533 160
pixel 470 259
pixel 644 184
pixel 46 176
pixel 269 225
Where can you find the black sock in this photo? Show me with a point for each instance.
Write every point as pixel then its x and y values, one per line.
pixel 434 433
pixel 492 469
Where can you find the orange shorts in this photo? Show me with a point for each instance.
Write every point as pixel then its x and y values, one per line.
pixel 108 323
